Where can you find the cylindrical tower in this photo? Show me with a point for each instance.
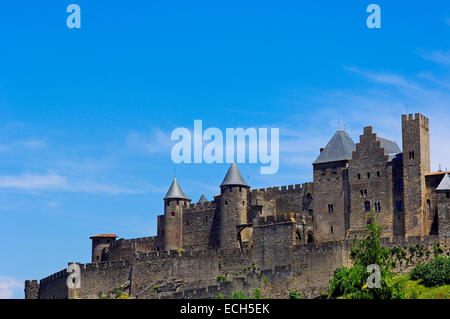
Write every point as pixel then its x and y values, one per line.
pixel 174 201
pixel 233 207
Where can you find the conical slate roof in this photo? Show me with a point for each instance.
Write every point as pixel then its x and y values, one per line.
pixel 203 199
pixel 445 184
pixel 390 147
pixel 339 148
pixel 233 177
pixel 175 191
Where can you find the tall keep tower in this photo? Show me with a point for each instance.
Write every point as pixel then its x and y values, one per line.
pixel 233 207
pixel 416 164
pixel 174 201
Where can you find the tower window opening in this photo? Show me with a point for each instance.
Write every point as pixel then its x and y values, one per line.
pixel 243 202
pixel 240 189
pixel 330 208
pixel 378 207
pixel 331 229
pixel 411 155
pixel 178 202
pixel 359 176
pixel 226 202
pixel 368 175
pixel 362 192
pixel 367 206
pixel 231 189
pixel 172 214
pixel 378 174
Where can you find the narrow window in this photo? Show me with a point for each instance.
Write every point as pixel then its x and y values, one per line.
pixel 359 176
pixel 330 208
pixel 334 170
pixel 331 229
pixel 377 206
pixel 368 175
pixel 177 202
pixel 365 192
pixel 378 174
pixel 367 206
pixel 324 171
pixel 243 202
pixel 411 155
pixel 362 192
pixel 240 189
pixel 172 214
pixel 97 257
pixel 206 220
pixel 226 202
pixel 231 189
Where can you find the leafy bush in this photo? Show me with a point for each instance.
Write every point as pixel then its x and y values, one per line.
pixel 434 273
pixel 293 294
pixel 352 282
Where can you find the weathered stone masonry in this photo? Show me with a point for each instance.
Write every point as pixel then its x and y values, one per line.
pixel 279 238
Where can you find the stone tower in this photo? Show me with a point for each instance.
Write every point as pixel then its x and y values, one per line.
pixel 174 201
pixel 443 192
pixel 331 188
pixel 233 207
pixel 99 244
pixel 416 164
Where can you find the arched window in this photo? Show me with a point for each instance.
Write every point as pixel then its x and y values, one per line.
pixel 310 238
pixel 298 237
pixel 367 206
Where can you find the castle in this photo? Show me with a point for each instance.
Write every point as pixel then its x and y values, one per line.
pixel 295 236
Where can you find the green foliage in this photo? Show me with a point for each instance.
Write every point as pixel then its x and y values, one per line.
pixel 293 294
pixel 352 282
pixel 437 249
pixel 221 278
pixel 257 293
pixel 180 249
pixel 434 273
pixel 266 280
pixel 237 294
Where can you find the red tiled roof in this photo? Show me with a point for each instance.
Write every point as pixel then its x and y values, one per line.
pixel 104 236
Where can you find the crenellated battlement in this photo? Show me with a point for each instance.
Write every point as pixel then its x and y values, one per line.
pixel 276 219
pixel 282 189
pixel 417 117
pixel 200 206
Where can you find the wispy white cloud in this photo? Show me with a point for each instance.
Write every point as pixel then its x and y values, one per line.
pixel 7 287
pixel 156 142
pixel 441 57
pixel 33 182
pixel 34 143
pixel 54 182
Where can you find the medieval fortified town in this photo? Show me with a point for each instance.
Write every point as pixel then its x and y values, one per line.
pixel 277 239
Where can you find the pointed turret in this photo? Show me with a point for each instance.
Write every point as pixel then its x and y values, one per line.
pixel 444 185
pixel 175 192
pixel 339 148
pixel 202 199
pixel 234 177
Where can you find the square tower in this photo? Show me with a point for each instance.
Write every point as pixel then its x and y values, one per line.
pixel 416 164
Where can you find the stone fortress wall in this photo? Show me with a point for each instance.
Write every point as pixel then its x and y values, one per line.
pixel 295 234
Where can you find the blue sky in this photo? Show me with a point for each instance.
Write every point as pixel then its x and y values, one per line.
pixel 86 115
